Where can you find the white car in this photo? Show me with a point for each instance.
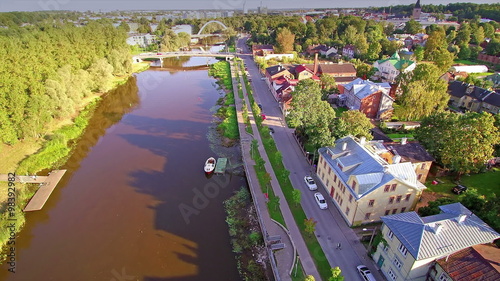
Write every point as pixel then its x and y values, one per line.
pixel 310 183
pixel 320 200
pixel 365 273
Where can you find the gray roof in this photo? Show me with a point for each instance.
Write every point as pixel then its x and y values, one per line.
pixel 442 234
pixel 363 88
pixel 363 162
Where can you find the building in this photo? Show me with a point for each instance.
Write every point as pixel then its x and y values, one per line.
pixel 141 39
pixel 371 98
pixel 389 69
pixel 343 73
pixel 349 51
pixel 366 181
pixel 414 243
pixel 480 262
pixel 262 50
pixel 469 68
pixel 472 98
pixel 417 11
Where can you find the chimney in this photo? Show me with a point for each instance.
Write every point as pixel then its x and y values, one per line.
pixel 344 146
pixel 396 159
pixel 315 68
pixel 438 228
pixel 461 218
pixel 362 140
pixel 404 140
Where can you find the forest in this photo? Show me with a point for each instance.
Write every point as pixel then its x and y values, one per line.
pixel 50 66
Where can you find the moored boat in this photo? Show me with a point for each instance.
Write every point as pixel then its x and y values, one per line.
pixel 210 165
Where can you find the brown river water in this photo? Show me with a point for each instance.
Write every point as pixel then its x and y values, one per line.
pixel 135 203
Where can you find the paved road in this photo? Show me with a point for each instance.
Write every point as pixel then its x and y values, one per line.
pixel 331 228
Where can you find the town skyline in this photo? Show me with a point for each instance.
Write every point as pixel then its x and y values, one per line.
pixel 112 5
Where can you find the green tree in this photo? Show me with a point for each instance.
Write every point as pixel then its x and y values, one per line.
pixel 169 42
pixel 354 123
pixel 373 52
pixel 350 35
pixel 493 48
pixel 328 85
pixel 101 73
pixel 336 274
pixel 463 34
pixel 124 26
pixel 184 39
pixel 363 70
pixel 443 59
pixel 309 278
pixel 478 35
pixel 419 53
pixel 420 97
pixel 462 143
pixel 435 42
pixel 310 226
pixel 284 41
pixel 412 27
pixel 296 196
pixel 464 53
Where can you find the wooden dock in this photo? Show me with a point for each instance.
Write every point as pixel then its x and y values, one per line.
pixel 220 168
pixel 42 195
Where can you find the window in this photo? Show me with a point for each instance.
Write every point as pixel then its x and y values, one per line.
pixel 397 263
pixel 419 176
pixel 391 199
pixel 347 211
pixel 387 212
pixel 398 199
pixel 423 166
pixel 324 165
pixel 403 209
pixel 394 211
pixel 390 234
pixel 327 182
pixel 403 250
pixel 443 277
pixel 386 248
pixel 341 201
pixel 340 166
pixel 329 170
pixel 367 216
pixel 353 185
pixel 391 274
pixel 386 188
pixel 350 198
pixel 393 187
pixel 335 178
pixel 371 203
pixel 407 198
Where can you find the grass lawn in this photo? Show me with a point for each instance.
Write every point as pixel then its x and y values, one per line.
pixel 485 183
pixel 398 136
pixel 467 62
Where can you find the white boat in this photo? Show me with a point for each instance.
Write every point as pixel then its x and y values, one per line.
pixel 210 165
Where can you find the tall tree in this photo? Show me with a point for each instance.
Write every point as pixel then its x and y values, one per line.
pixel 462 143
pixel 354 123
pixel 423 93
pixel 285 40
pixel 478 35
pixel 412 27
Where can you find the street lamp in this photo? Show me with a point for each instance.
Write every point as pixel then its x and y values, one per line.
pixel 371 238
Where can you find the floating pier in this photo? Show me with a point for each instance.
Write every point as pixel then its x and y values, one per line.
pixel 46 187
pixel 220 168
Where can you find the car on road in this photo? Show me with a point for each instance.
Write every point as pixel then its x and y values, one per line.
pixel 320 200
pixel 263 116
pixel 260 106
pixel 271 130
pixel 365 273
pixel 310 183
pixel 459 189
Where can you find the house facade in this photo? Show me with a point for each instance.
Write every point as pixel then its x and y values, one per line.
pixel 389 69
pixel 472 98
pixel 413 243
pixel 141 39
pixel 365 181
pixel 371 98
pixel 262 50
pixel 343 73
pixel 349 51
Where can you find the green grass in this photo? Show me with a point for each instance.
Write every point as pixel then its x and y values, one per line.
pixel 467 62
pixel 486 184
pixel 298 273
pixel 398 136
pixel 229 124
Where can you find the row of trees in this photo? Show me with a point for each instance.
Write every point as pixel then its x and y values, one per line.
pixel 49 68
pixel 315 117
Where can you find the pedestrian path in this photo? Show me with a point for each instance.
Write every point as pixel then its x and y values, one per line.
pixel 290 237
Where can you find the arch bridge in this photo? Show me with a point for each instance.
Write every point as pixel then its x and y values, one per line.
pixel 209 22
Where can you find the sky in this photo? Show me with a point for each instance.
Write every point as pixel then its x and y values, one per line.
pixel 110 5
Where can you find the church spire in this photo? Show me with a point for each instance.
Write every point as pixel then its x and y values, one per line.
pixel 418 4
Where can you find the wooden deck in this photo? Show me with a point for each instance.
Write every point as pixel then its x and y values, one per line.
pixel 220 168
pixel 46 187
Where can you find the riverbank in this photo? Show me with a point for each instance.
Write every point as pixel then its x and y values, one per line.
pixel 30 156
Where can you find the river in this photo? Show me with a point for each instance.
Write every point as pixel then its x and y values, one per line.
pixel 135 203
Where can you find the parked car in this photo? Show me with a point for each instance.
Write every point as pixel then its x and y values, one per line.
pixel 271 130
pixel 310 183
pixel 263 116
pixel 320 200
pixel 260 106
pixel 459 189
pixel 365 273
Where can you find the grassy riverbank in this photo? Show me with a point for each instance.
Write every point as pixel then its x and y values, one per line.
pixel 31 155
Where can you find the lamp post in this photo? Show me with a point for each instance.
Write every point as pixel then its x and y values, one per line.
pixel 371 238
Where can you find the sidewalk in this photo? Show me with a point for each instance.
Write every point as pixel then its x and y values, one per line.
pixel 284 257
